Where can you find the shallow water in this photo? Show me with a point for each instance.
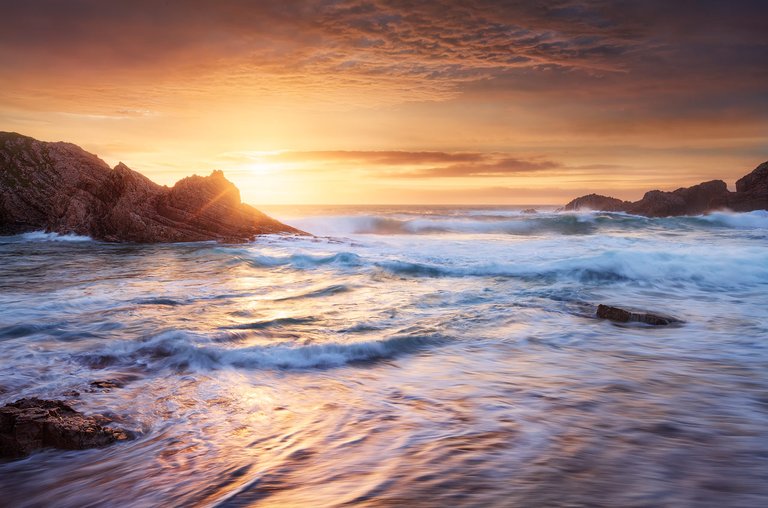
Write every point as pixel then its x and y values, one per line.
pixel 406 356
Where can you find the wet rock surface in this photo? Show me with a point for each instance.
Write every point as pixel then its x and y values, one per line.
pixel 61 188
pixel 751 194
pixel 31 424
pixel 620 315
pixel 105 385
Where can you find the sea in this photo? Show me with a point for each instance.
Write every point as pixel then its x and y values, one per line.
pixel 401 356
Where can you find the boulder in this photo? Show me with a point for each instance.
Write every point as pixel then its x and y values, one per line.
pixel 596 202
pixel 106 385
pixel 31 424
pixel 620 315
pixel 61 188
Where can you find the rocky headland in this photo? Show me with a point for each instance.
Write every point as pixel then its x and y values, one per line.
pixel 61 188
pixel 751 194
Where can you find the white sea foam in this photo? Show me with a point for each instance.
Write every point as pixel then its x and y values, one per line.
pixel 757 219
pixel 42 236
pixel 598 258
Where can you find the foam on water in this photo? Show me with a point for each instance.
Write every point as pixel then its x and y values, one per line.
pixel 42 236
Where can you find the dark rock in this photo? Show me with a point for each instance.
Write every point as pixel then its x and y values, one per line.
pixel 756 182
pixel 751 191
pixel 106 385
pixel 530 211
pixel 59 187
pixel 31 424
pixel 596 202
pixel 695 200
pixel 624 316
pixel 751 194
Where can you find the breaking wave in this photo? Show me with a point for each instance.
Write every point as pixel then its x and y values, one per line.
pixel 42 236
pixel 701 265
pixel 183 351
pixel 521 224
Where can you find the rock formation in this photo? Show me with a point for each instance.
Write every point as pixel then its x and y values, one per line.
pixel 61 188
pixel 625 316
pixel 31 424
pixel 751 194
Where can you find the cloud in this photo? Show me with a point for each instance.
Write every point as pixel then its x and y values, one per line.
pixel 378 157
pixel 508 166
pixel 390 50
pixel 411 165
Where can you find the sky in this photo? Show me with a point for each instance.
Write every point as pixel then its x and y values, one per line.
pixel 398 102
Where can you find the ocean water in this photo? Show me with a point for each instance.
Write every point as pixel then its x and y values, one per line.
pixel 405 356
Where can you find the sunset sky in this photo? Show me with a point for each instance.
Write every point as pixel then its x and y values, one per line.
pixel 397 101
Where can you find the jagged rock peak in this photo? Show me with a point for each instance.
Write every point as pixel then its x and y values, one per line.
pixel 59 187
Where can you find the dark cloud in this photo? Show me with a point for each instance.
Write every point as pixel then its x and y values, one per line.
pixel 438 40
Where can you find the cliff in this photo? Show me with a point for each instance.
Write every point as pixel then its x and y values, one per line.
pixel 751 194
pixel 61 188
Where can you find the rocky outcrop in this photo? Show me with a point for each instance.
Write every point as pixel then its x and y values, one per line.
pixel 28 425
pixel 751 191
pixel 751 194
pixel 620 315
pixel 597 202
pixel 61 188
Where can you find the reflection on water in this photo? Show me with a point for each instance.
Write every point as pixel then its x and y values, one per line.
pixel 447 361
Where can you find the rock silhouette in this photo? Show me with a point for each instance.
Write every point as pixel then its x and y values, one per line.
pixel 751 194
pixel 61 188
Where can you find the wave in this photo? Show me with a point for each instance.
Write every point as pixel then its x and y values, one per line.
pixel 183 351
pixel 707 270
pixel 170 302
pixel 302 260
pixel 515 222
pixel 519 224
pixel 42 236
pixel 757 219
pixel 610 260
pixel 318 293
pixel 272 323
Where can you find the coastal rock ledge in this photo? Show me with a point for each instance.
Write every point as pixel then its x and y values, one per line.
pixel 61 188
pixel 28 425
pixel 751 194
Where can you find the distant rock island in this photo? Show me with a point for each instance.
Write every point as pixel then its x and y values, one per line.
pixel 61 188
pixel 751 194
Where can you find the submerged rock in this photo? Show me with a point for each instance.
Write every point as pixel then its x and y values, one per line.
pixel 751 194
pixel 106 384
pixel 625 316
pixel 31 424
pixel 61 188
